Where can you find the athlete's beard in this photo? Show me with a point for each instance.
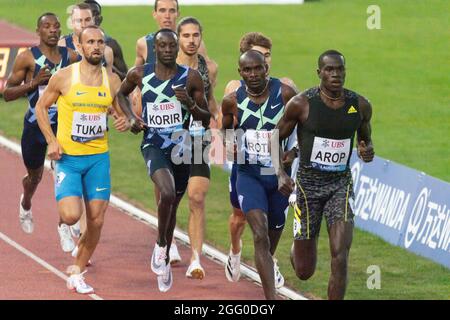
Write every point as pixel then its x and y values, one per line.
pixel 94 61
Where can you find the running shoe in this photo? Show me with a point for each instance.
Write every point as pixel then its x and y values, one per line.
pixel 25 218
pixel 165 280
pixel 76 282
pixel 233 267
pixel 158 263
pixel 195 270
pixel 174 255
pixel 65 238
pixel 279 279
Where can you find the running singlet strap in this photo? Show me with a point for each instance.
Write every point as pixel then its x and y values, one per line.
pixel 82 116
pixel 40 60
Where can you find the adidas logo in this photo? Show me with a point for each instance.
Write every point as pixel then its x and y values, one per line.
pixel 352 110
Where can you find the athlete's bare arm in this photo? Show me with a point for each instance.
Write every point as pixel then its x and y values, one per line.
pixel 121 122
pixel 23 72
pixel 229 121
pixel 57 86
pixel 287 93
pixel 364 132
pixel 193 97
pixel 295 114
pixel 212 103
pixel 141 52
pixel 119 66
pixel 133 80
pixel 229 111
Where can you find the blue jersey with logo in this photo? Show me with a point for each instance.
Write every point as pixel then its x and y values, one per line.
pixel 257 121
pixel 40 60
pixel 165 116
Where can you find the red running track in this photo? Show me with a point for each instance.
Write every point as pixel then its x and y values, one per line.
pixel 121 268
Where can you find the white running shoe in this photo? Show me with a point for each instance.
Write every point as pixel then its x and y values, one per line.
pixel 233 267
pixel 165 280
pixel 279 279
pixel 76 282
pixel 195 270
pixel 65 238
pixel 75 253
pixel 25 218
pixel 174 255
pixel 158 263
pixel 75 229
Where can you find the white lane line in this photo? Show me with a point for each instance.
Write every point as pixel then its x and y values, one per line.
pixel 43 263
pixel 150 219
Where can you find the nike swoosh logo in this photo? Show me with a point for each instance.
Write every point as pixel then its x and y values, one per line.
pixel 80 93
pixel 278 227
pixel 174 87
pixel 101 189
pixel 273 107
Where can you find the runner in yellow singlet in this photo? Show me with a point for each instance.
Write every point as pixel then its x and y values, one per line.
pixel 83 92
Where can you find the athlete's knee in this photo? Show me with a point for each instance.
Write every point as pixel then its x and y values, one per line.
pixel 197 199
pixel 95 222
pixel 70 216
pixel 34 178
pixel 303 269
pixel 339 261
pixel 167 196
pixel 261 238
pixel 237 220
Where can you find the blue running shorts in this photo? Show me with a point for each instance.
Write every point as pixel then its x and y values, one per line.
pixel 86 176
pixel 256 191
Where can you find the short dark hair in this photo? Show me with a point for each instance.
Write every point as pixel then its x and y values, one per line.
pixel 94 3
pixel 38 23
pixel 165 30
pixel 328 53
pixel 254 39
pixel 189 20
pixel 89 27
pixel 156 4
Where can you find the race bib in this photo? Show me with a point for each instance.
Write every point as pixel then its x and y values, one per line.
pixel 164 115
pixel 257 142
pixel 88 126
pixel 329 154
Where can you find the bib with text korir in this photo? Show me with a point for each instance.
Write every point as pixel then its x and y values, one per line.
pixel 166 117
pixel 329 154
pixel 257 146
pixel 88 126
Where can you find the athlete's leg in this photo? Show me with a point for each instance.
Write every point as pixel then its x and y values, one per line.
pixel 237 220
pixel 95 215
pixel 30 183
pixel 236 224
pixel 340 234
pixel 304 257
pixel 164 180
pixel 197 190
pixel 257 220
